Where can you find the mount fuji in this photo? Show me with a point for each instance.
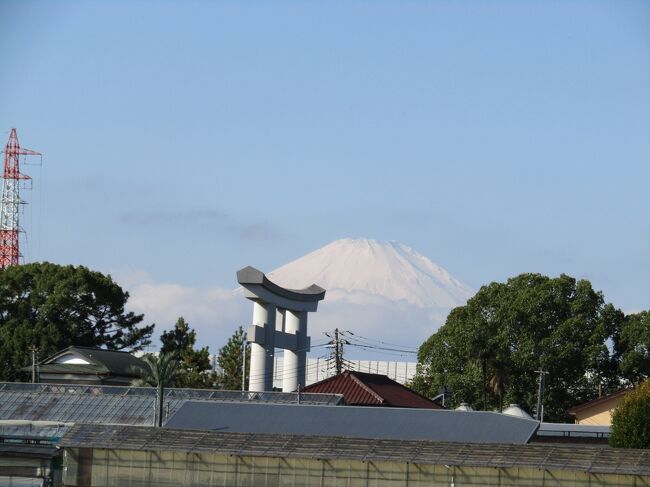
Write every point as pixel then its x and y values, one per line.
pixel 383 290
pixel 379 290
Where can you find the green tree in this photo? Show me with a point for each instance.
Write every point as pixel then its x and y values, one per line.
pixel 487 352
pixel 162 371
pixel 52 307
pixel 230 361
pixel 632 345
pixel 631 419
pixel 196 371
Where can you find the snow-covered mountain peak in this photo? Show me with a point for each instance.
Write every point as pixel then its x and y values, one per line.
pixel 362 270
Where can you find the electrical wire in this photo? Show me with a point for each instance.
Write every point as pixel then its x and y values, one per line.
pixel 281 375
pixel 382 342
pixel 368 347
pixel 275 375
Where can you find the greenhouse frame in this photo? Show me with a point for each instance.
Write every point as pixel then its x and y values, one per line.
pixel 135 456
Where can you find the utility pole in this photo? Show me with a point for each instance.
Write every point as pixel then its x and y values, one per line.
pixel 243 365
pixel 539 414
pixel 336 344
pixel 34 361
pixel 338 352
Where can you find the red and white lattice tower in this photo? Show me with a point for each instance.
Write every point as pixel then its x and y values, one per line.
pixel 10 202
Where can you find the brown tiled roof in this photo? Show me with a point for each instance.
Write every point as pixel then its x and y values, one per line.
pixel 363 389
pixel 595 402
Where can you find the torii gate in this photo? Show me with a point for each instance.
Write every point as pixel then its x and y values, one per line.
pixel 274 305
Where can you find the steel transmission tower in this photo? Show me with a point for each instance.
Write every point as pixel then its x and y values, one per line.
pixel 10 202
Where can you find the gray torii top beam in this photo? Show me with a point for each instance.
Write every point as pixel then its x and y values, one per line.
pixel 258 287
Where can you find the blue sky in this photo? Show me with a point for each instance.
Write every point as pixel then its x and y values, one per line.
pixel 184 140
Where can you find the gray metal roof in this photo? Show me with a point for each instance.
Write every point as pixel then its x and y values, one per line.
pixel 593 460
pixel 85 408
pixel 119 405
pixel 356 422
pixel 574 430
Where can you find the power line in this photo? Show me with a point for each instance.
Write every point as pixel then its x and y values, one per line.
pixel 336 360
pixel 401 353
pixel 382 342
pixel 370 347
pixel 274 373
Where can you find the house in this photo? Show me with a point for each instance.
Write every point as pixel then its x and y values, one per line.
pixel 599 411
pixel 94 366
pixel 363 389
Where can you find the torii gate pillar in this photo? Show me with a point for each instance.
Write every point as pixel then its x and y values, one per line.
pixel 290 306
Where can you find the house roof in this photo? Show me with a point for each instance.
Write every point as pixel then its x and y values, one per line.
pixel 103 362
pixel 363 389
pixel 77 369
pixel 354 422
pixel 596 402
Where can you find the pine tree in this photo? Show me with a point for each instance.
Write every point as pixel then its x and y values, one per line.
pixel 196 371
pixel 50 307
pixel 230 361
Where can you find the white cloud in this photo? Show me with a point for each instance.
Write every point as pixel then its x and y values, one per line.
pixel 216 312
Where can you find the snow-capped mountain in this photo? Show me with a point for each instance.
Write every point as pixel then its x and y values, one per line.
pixel 350 268
pixel 384 290
pixel 380 290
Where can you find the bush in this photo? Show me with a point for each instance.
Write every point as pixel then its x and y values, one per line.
pixel 631 419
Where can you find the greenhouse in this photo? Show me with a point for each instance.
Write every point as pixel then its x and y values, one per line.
pixel 136 456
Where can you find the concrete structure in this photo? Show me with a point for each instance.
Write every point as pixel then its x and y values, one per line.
pixel 279 321
pixel 599 411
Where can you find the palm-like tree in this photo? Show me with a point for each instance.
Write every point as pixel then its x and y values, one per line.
pixel 162 371
pixel 499 379
pixel 482 354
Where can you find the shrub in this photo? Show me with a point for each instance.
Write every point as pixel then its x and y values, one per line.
pixel 631 419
